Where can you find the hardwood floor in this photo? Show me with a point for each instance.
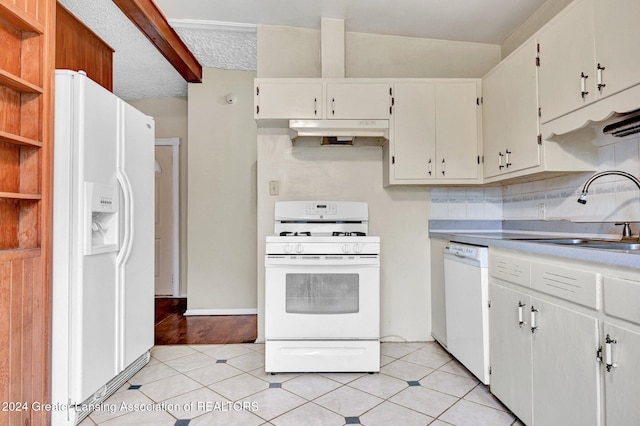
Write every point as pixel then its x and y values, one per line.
pixel 172 327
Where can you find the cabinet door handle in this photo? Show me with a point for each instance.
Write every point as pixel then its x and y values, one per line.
pixel 333 106
pixel 500 166
pixel 599 78
pixel 429 166
pixel 608 353
pixel 534 318
pixel 443 167
pixel 315 106
pixel 508 162
pixel 521 313
pixel 583 85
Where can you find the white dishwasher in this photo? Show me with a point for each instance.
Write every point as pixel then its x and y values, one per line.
pixel 466 285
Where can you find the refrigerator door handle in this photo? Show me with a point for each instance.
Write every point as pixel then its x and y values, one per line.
pixel 127 241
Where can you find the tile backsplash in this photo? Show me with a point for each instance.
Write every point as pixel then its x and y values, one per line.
pixel 466 203
pixel 610 198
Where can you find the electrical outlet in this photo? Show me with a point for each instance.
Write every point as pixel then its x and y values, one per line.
pixel 274 187
pixel 541 211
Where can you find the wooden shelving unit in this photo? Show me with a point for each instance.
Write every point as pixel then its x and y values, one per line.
pixel 21 130
pixel 26 89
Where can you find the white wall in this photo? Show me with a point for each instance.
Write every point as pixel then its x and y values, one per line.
pixel 399 215
pixel 222 194
pixel 288 52
pixel 377 55
pixel 537 20
pixel 295 52
pixel 170 115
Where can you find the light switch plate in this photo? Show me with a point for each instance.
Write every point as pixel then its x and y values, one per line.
pixel 274 187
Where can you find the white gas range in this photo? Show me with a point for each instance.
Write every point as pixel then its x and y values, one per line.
pixel 322 289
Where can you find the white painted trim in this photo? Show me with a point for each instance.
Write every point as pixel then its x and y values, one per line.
pixel 201 24
pixel 249 311
pixel 167 142
pixel 175 143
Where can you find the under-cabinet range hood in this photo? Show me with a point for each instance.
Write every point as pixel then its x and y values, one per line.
pixel 625 125
pixel 340 132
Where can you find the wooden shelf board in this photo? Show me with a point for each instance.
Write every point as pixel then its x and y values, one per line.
pixel 18 84
pixel 18 140
pixel 18 19
pixel 18 253
pixel 20 196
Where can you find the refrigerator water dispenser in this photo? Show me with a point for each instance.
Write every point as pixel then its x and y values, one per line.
pixel 101 218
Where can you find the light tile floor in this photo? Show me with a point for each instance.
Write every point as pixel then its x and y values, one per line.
pixel 419 384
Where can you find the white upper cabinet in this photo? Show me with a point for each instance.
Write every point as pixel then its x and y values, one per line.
pixel 587 53
pixel 291 98
pixel 567 61
pixel 457 150
pixel 510 114
pixel 414 130
pixel 288 100
pixel 617 32
pixel 434 133
pixel 358 101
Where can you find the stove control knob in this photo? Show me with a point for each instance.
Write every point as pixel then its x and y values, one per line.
pixel 357 248
pixel 346 248
pixel 299 248
pixel 288 248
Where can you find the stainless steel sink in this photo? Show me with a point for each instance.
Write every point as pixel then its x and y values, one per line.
pixel 565 241
pixel 612 245
pixel 589 243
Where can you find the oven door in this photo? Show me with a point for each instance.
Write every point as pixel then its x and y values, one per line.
pixel 322 297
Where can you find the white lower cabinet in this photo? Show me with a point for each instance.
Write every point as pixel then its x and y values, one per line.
pixel 566 373
pixel 564 339
pixel 543 363
pixel 621 375
pixel 510 350
pixel 438 313
pixel 620 341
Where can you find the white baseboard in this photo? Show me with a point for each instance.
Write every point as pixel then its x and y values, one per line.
pixel 250 311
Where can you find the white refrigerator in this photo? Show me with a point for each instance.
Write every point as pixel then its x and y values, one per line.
pixel 103 245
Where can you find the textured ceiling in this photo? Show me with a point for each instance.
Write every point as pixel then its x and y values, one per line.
pixel 222 33
pixel 139 70
pixel 219 46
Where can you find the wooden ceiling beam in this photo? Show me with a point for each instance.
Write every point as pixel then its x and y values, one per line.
pixel 146 15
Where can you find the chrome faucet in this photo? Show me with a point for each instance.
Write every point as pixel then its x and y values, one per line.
pixel 585 189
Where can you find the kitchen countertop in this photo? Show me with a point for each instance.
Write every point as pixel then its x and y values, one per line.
pixel 501 234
